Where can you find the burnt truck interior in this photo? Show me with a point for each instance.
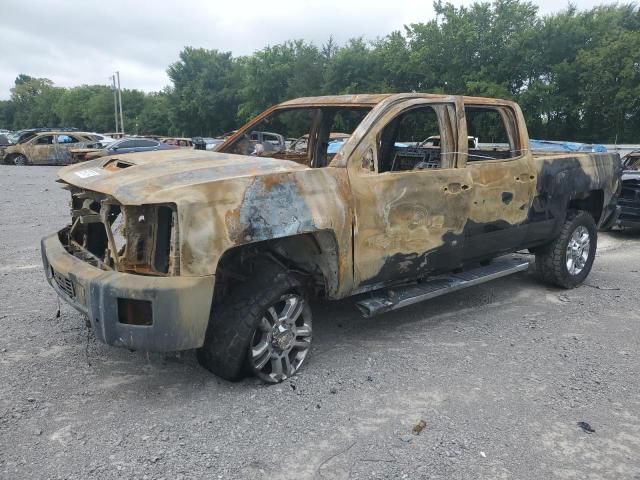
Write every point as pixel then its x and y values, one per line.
pixel 497 131
pixel 418 138
pixel 402 145
pixel 312 135
pixel 413 140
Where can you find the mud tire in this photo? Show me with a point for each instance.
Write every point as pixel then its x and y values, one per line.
pixel 551 260
pixel 234 320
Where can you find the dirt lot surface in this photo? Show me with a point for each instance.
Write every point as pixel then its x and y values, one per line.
pixel 501 374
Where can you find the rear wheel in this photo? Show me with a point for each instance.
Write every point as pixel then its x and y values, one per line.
pixel 567 261
pixel 262 328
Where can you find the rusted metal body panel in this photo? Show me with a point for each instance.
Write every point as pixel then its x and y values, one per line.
pixel 374 226
pixel 46 148
pixel 83 154
pixel 227 200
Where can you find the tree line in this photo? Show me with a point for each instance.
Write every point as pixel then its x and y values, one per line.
pixel 576 74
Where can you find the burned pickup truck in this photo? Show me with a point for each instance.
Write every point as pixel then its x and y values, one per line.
pixel 222 251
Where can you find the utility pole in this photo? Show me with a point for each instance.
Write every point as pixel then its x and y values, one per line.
pixel 115 100
pixel 120 101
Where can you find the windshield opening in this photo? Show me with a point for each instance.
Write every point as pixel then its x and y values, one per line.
pixel 632 161
pixel 310 135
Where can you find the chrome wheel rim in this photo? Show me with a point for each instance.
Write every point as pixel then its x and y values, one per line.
pixel 281 340
pixel 578 250
pixel 20 161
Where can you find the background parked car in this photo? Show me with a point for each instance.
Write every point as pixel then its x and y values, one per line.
pixel 178 142
pixel 25 134
pixel 211 143
pixel 629 199
pixel 336 140
pixel 206 143
pixel 21 136
pixel 4 142
pixel 46 148
pixel 115 135
pixel 434 141
pixel 122 146
pixel 104 140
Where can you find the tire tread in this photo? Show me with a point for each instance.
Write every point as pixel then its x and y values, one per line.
pixel 550 261
pixel 232 322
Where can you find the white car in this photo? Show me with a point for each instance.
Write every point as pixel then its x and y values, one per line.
pixel 104 140
pixel 434 141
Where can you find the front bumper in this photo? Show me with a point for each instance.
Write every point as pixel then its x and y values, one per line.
pixel 629 217
pixel 629 201
pixel 180 306
pixel 629 214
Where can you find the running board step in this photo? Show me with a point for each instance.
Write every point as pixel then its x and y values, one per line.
pixel 399 297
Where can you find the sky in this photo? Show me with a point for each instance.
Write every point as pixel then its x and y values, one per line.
pixel 74 42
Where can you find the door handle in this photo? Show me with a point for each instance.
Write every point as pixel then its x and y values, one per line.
pixel 525 177
pixel 456 188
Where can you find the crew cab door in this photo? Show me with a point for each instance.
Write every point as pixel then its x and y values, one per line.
pixel 411 202
pixel 503 177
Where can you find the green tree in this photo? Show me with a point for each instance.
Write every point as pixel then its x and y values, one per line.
pixel 280 72
pixel 83 107
pixel 155 117
pixel 204 98
pixel 485 42
pixel 355 69
pixel 32 99
pixel 392 60
pixel 99 111
pixel 7 112
pixel 610 87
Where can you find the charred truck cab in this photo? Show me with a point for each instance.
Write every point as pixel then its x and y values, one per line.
pixel 222 251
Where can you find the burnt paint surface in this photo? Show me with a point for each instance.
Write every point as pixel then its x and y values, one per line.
pixel 388 226
pixel 562 178
pixel 47 154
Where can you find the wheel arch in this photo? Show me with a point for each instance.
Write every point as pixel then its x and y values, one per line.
pixel 313 255
pixel 591 201
pixel 6 158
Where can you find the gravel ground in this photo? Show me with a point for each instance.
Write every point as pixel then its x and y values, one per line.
pixel 500 373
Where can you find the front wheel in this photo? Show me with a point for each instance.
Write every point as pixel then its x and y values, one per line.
pixel 567 261
pixel 262 328
pixel 20 160
pixel 281 340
